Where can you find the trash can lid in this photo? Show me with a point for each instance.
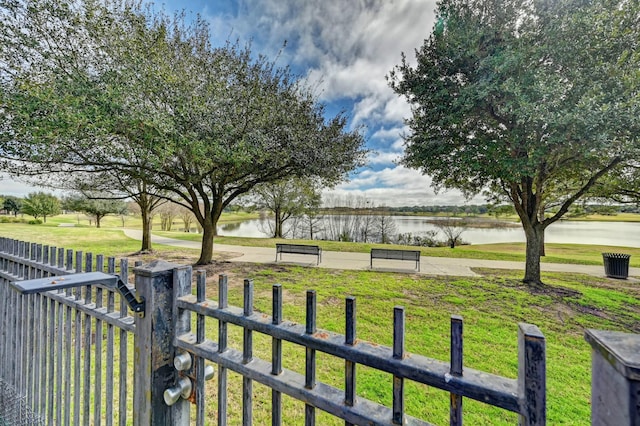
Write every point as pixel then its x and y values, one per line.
pixel 616 255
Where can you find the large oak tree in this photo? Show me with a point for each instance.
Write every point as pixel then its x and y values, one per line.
pixel 209 122
pixel 532 102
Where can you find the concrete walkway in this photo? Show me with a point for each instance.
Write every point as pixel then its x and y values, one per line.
pixel 361 261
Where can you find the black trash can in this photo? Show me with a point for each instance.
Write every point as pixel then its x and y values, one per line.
pixel 616 265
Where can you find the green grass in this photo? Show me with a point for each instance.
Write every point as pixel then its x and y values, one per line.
pixel 582 254
pixel 618 217
pixel 105 241
pixel 491 305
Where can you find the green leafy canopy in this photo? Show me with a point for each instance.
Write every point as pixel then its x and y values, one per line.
pixel 117 87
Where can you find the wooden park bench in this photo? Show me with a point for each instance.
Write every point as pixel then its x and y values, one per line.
pixel 298 249
pixel 391 254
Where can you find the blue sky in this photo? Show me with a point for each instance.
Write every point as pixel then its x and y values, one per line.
pixel 344 49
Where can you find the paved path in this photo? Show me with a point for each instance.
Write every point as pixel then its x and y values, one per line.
pixel 360 261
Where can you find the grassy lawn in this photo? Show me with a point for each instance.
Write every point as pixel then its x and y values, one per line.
pixel 491 306
pixel 618 217
pixel 106 241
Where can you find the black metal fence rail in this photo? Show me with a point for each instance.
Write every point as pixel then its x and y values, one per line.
pixel 63 352
pixel 524 395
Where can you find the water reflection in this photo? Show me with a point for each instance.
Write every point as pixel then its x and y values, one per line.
pixel 624 234
pixel 225 228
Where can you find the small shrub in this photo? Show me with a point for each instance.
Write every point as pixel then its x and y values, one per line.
pixel 35 222
pixel 10 219
pixel 428 239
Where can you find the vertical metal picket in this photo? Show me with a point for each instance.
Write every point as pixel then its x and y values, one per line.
pixel 350 366
pixel 223 303
pixel 310 357
pixel 455 404
pixel 247 356
pixel 201 286
pixel 398 353
pixel 122 380
pixel 276 356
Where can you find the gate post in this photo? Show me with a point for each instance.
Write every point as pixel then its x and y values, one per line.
pixel 615 378
pixel 532 376
pixel 153 348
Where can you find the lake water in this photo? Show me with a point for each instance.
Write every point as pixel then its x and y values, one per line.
pixel 623 234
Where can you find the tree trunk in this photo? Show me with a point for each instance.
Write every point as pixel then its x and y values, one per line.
pixel 209 231
pixel 277 231
pixel 146 231
pixel 206 251
pixel 542 251
pixel 535 236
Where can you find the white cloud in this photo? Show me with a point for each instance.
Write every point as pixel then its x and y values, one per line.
pixel 350 45
pixel 398 145
pixel 393 197
pixel 398 186
pixel 397 109
pixel 391 133
pixel 378 157
pixel 345 49
pixel 367 109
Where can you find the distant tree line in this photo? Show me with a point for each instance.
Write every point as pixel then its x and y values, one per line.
pixel 41 205
pixel 454 210
pixel 500 210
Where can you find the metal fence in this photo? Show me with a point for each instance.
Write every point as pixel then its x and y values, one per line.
pixel 61 353
pixel 525 395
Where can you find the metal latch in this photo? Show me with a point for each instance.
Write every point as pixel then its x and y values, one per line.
pixel 59 282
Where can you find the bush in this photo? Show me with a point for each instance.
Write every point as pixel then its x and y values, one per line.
pixel 35 222
pixel 10 219
pixel 427 240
